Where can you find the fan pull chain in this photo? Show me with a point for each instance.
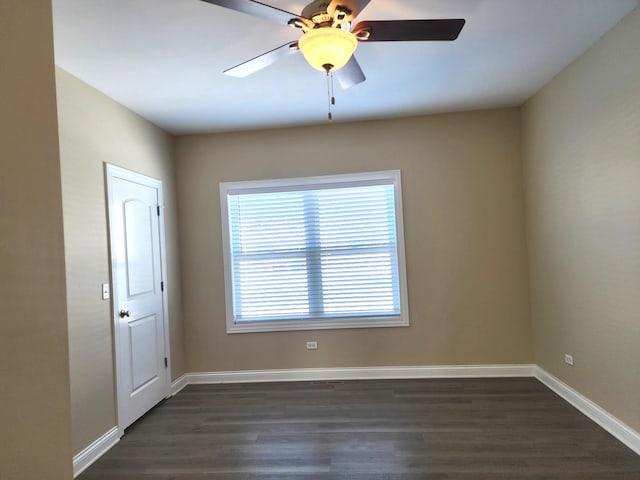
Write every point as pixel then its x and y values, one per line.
pixel 330 97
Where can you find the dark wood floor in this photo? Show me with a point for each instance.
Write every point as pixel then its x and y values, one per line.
pixel 439 429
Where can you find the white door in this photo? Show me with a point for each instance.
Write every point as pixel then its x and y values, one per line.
pixel 136 239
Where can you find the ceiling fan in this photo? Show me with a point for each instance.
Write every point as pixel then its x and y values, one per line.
pixel 329 39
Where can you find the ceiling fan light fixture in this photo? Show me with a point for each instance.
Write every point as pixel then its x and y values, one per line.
pixel 327 46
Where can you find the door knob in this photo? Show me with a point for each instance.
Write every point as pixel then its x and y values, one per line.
pixel 125 313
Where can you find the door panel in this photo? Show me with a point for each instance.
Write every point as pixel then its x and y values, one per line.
pixel 144 354
pixel 139 244
pixel 138 306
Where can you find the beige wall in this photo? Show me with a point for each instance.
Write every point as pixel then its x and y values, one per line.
pixel 93 130
pixel 35 442
pixel 582 151
pixel 464 231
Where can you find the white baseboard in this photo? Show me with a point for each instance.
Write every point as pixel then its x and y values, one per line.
pixel 94 451
pixel 179 384
pixel 618 429
pixel 357 373
pixel 611 424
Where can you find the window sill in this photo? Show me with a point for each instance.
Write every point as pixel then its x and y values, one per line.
pixel 295 325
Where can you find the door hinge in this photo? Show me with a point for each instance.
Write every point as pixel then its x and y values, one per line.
pixel 162 286
pixel 158 209
pixel 166 363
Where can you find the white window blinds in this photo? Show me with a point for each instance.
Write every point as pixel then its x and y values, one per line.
pixel 314 253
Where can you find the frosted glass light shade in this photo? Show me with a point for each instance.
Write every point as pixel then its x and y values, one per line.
pixel 327 46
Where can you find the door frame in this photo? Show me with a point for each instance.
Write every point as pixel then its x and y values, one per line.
pixel 110 172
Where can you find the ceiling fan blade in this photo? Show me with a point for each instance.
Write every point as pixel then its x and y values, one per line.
pixel 354 7
pixel 411 30
pixel 351 74
pixel 262 61
pixel 257 9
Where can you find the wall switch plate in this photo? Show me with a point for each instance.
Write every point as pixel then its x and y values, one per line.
pixel 106 291
pixel 312 345
pixel 568 359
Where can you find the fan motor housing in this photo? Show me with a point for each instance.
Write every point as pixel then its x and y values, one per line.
pixel 316 8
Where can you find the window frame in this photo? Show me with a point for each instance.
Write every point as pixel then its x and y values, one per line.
pixel 387 177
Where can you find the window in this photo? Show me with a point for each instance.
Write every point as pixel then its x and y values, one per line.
pixel 311 253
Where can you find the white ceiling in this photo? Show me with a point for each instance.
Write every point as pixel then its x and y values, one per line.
pixel 164 59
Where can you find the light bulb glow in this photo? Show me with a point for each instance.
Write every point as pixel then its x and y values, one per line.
pixel 327 46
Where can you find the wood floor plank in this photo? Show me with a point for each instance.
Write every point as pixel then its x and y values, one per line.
pixel 437 429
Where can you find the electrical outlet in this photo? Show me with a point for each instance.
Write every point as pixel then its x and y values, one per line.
pixel 312 345
pixel 568 359
pixel 105 291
